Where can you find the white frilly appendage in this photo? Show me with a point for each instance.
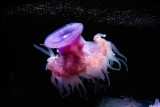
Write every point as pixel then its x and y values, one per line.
pixel 102 55
pixel 69 84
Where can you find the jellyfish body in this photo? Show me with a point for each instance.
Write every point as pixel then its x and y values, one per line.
pixel 78 58
pixel 156 104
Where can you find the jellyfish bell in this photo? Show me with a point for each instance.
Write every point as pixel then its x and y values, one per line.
pixel 64 36
pixel 78 58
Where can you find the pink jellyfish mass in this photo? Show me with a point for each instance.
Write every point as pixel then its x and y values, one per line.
pixel 77 58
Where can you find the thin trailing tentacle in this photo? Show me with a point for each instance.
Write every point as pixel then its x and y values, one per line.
pixel 117 52
pixel 101 35
pixel 79 90
pixel 66 86
pixel 84 90
pixel 42 50
pixel 111 62
pixel 107 76
pixel 119 64
pixel 51 52
pixel 123 63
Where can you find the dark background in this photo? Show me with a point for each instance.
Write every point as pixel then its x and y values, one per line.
pixel 24 81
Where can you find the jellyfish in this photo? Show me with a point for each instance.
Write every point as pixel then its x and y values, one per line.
pixel 77 58
pixel 156 104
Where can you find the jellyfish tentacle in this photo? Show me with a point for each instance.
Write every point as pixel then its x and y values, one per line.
pixel 117 52
pixel 123 63
pixel 66 86
pixel 114 59
pixel 107 76
pixel 42 50
pixel 83 89
pixel 54 81
pixel 79 90
pixel 101 35
pixel 51 52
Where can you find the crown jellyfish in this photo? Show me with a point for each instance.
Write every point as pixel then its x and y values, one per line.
pixel 77 58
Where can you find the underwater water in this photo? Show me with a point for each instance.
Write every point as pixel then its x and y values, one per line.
pixel 134 28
